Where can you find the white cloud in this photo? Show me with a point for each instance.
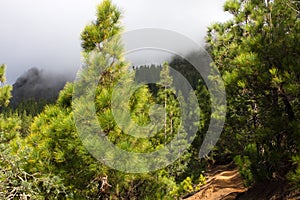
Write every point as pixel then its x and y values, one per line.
pixel 45 33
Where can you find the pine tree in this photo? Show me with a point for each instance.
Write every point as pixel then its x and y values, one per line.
pixel 15 180
pixel 103 28
pixel 256 53
pixel 54 145
pixel 5 92
pixel 166 95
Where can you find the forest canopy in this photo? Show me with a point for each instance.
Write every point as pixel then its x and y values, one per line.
pixel 257 53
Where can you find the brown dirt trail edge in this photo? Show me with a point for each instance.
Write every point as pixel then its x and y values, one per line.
pixel 223 182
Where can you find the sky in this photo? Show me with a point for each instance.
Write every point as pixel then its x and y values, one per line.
pixel 46 33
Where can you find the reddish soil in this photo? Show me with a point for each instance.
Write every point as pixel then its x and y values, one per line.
pixel 225 183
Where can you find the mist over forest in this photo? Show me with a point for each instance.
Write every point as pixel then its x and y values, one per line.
pixel 42 85
pixel 37 84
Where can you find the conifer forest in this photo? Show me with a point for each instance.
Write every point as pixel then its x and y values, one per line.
pixel 140 142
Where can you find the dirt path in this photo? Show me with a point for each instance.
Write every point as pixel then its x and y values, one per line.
pixel 223 182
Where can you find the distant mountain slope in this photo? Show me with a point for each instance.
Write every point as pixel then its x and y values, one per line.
pixel 36 84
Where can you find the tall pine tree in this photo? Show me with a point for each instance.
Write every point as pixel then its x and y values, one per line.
pixel 257 53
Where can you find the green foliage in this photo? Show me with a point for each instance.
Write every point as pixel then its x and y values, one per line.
pixel 9 123
pixel 55 149
pixel 65 97
pixel 294 176
pixel 232 6
pixel 256 55
pixel 16 183
pixel 2 74
pixel 9 128
pixel 244 165
pixel 31 107
pixel 187 185
pixel 186 69
pixel 103 28
pixel 5 90
pixel 26 120
pixel 166 97
pixel 188 165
